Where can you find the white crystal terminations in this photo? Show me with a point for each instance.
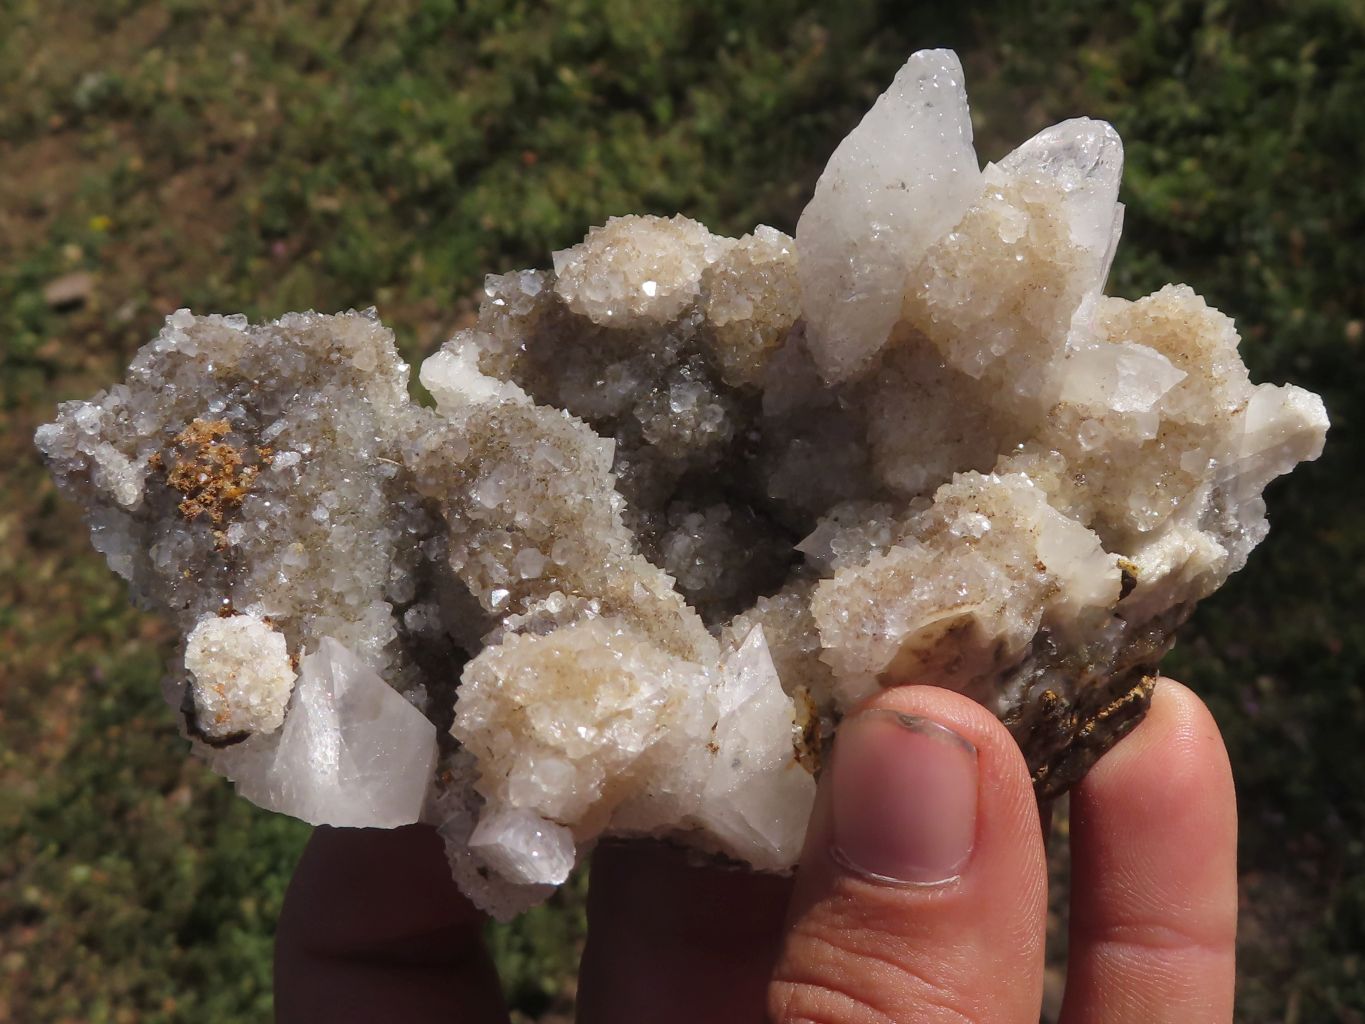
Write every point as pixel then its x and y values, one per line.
pixel 898 183
pixel 352 751
pixel 684 500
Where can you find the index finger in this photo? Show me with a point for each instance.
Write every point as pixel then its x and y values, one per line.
pixel 1154 874
pixel 675 938
pixel 373 928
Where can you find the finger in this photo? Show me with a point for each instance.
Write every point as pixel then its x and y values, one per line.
pixel 1154 874
pixel 922 890
pixel 674 940
pixel 373 928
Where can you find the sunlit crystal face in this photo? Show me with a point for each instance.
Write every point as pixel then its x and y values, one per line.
pixel 684 499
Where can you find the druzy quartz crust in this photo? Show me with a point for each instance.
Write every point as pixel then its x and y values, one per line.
pixel 683 500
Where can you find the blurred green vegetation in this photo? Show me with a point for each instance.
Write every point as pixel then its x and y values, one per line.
pixel 262 156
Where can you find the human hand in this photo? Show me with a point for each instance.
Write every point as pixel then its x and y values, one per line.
pixel 912 902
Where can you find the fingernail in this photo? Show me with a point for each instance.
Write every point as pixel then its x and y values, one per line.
pixel 904 791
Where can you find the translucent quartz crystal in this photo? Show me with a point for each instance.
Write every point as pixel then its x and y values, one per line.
pixel 352 750
pixel 900 180
pixel 684 500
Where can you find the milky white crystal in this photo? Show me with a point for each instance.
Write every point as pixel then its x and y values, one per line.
pixel 684 500
pixel 749 785
pixel 352 751
pixel 523 847
pixel 901 179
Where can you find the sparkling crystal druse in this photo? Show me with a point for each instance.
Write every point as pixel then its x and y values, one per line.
pixel 683 500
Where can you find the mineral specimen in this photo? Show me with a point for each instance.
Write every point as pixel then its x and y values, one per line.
pixel 685 500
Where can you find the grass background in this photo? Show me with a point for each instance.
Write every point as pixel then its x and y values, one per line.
pixel 261 156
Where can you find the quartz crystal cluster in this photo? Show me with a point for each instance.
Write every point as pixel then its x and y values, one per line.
pixel 684 500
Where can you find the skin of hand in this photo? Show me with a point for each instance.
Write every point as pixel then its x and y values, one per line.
pixel 921 896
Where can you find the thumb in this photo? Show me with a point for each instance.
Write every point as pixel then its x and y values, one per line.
pixel 922 891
